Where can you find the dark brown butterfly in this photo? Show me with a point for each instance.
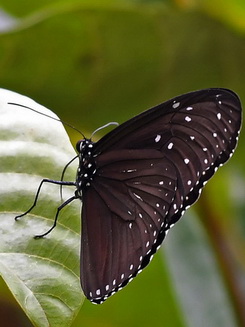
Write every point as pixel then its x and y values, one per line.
pixel 139 179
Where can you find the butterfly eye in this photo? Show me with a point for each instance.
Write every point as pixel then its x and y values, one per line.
pixel 79 145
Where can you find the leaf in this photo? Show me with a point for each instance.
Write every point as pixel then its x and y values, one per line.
pixel 197 279
pixel 42 274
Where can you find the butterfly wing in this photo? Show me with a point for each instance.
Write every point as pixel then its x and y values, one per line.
pixel 149 170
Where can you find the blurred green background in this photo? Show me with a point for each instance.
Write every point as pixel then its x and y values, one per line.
pixel 92 62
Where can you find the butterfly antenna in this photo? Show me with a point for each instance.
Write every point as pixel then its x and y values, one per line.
pixel 41 113
pixel 104 126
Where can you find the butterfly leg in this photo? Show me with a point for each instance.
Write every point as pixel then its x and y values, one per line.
pixel 56 216
pixel 45 180
pixel 63 174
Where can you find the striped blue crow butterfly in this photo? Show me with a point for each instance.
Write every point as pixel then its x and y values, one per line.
pixel 137 181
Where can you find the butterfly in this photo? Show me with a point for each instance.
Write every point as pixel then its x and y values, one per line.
pixel 137 181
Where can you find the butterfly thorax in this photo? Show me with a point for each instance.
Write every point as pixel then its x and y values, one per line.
pixel 87 167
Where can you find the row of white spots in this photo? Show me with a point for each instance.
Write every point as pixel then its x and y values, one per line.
pixel 217 96
pixel 130 278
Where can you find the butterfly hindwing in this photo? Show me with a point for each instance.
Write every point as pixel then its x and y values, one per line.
pixel 128 210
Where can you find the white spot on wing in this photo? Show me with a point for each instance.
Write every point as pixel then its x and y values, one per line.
pixel 170 146
pixel 138 197
pixel 157 138
pixel 186 161
pixel 219 115
pixel 187 118
pixel 176 105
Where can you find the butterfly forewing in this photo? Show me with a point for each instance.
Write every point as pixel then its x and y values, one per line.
pixel 148 170
pixel 135 131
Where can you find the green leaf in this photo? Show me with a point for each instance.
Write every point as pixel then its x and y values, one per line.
pixel 43 274
pixel 196 276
